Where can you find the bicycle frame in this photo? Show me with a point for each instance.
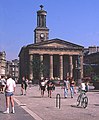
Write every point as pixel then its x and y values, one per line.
pixel 82 99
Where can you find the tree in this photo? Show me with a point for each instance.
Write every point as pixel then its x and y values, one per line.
pixel 88 70
pixel 38 68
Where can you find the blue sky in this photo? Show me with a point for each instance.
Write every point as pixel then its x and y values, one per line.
pixel 76 21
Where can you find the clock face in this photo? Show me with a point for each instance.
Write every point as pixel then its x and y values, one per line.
pixel 42 35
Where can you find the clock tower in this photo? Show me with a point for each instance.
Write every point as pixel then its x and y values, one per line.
pixel 41 33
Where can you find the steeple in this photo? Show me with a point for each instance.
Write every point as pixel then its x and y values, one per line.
pixel 41 31
pixel 41 17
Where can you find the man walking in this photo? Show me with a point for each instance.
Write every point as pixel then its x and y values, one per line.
pixel 66 87
pixel 9 90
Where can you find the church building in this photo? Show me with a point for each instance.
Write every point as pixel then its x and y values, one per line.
pixel 50 58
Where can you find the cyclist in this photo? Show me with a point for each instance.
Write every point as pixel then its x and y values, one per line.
pixel 82 98
pixel 84 86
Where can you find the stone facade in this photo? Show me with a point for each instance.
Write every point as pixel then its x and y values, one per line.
pixel 91 58
pixel 41 33
pixel 2 63
pixel 12 68
pixel 59 58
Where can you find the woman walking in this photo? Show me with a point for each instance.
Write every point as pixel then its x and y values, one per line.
pixel 49 88
pixel 72 85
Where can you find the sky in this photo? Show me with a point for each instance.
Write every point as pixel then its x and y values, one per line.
pixel 75 21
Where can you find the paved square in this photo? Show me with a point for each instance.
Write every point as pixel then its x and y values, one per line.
pixel 45 108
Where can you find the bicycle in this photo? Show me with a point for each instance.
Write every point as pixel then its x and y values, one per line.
pixel 82 99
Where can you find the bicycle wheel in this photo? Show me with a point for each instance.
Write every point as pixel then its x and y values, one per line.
pixel 85 102
pixel 78 100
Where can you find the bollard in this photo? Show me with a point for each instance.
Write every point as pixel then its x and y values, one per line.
pixel 58 101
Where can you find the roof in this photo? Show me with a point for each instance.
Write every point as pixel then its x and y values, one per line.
pixel 56 43
pixel 53 44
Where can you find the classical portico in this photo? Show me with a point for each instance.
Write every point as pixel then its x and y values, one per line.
pixel 60 60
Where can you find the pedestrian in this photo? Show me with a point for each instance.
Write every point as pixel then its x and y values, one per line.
pixel 66 87
pixel 30 83
pixel 43 85
pixel 24 85
pixel 72 87
pixel 3 83
pixel 49 88
pixel 9 92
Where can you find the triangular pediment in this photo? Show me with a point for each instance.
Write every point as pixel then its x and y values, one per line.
pixel 57 43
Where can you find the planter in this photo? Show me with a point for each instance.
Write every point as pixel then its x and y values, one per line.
pixel 96 85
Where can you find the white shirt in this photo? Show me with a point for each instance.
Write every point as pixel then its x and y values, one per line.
pixel 3 81
pixel 83 86
pixel 66 84
pixel 10 85
pixel 42 83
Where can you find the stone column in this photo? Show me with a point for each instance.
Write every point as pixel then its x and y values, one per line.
pixel 31 68
pixel 51 66
pixel 71 66
pixel 61 67
pixel 81 64
pixel 41 59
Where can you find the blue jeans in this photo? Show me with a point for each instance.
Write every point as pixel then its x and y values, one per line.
pixel 65 92
pixel 72 90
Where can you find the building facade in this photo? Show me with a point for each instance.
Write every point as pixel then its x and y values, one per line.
pixel 91 58
pixel 12 68
pixel 56 57
pixel 2 63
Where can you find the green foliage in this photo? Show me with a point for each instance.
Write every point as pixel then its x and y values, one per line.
pixel 38 67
